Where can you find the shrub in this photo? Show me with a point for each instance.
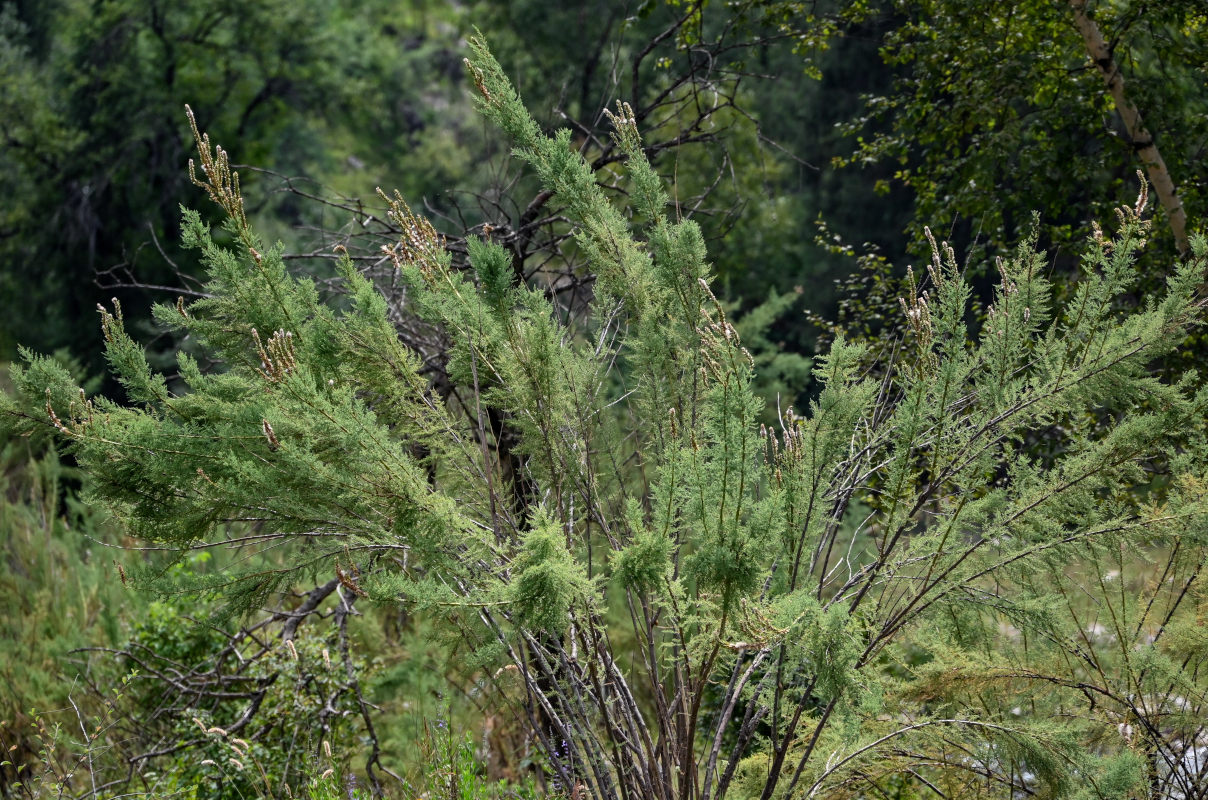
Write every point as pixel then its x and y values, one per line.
pixel 888 590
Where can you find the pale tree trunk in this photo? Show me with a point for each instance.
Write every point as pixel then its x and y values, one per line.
pixel 1142 139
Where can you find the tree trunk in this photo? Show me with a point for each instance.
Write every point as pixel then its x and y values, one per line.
pixel 1142 140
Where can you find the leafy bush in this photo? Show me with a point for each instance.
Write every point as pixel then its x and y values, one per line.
pixel 889 590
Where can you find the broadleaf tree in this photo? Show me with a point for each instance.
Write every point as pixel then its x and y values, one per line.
pixel 886 592
pixel 1044 107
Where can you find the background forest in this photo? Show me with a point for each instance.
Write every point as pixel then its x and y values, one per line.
pixel 921 222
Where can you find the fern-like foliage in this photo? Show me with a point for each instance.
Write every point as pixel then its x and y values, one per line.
pixel 893 589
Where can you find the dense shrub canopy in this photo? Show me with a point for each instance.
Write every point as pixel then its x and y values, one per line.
pixel 917 582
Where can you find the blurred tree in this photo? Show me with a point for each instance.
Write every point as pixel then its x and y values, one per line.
pixel 995 115
pixel 94 137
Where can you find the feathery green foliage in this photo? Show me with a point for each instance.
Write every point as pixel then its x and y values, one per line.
pixel 816 606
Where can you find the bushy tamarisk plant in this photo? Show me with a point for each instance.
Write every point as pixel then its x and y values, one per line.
pixel 904 591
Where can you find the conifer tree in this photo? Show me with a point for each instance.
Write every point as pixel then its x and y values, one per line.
pixel 886 590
